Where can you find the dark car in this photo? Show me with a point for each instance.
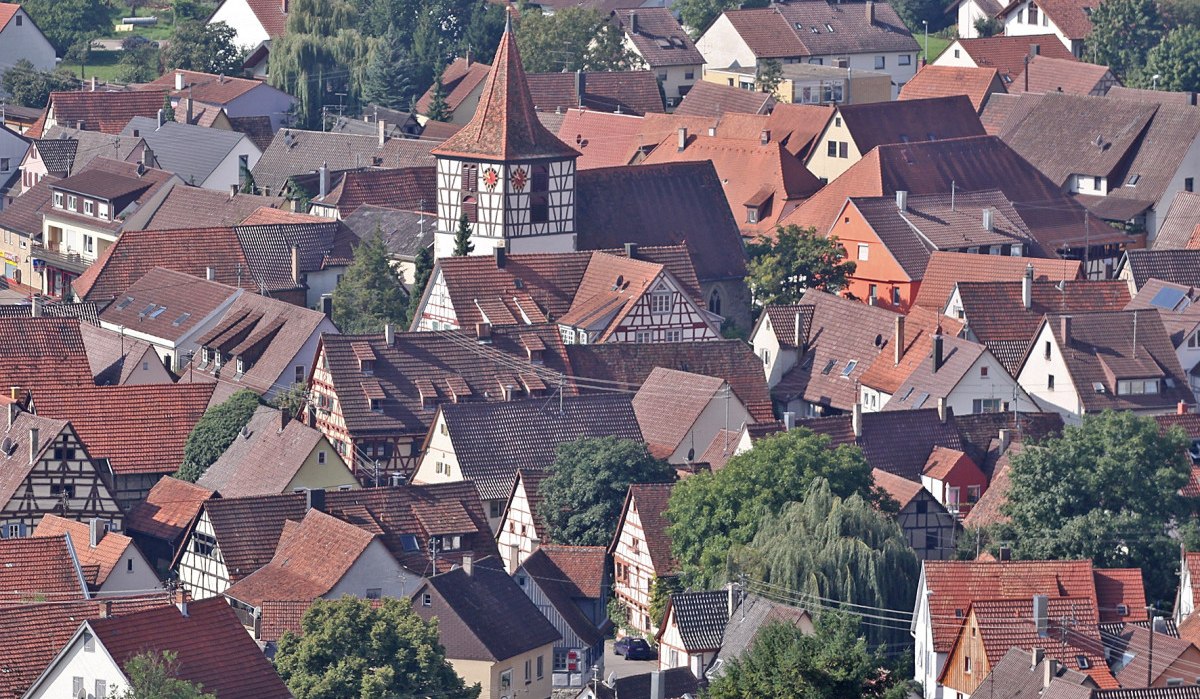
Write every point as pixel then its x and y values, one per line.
pixel 634 648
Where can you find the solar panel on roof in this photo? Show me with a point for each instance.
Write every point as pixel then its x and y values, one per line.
pixel 1168 298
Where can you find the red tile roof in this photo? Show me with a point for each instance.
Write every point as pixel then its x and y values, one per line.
pixel 184 207
pixel 1120 586
pixel 459 80
pixel 169 509
pixel 44 352
pixel 8 10
pixel 581 567
pixel 271 14
pixel 603 139
pixel 1072 17
pixel 36 569
pixel 212 647
pixel 16 465
pixel 312 556
pixel 108 112
pixel 977 84
pixel 668 405
pixel 267 459
pixel 713 100
pixel 814 29
pixel 205 87
pixel 659 38
pixel 168 304
pixel 34 633
pixel 874 124
pixel 410 189
pixel 902 490
pixel 1065 75
pixel 629 92
pixel 117 422
pixel 1007 53
pixel 505 125
pixel 945 269
pixel 97 562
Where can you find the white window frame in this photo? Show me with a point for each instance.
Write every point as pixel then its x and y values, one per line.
pixel 58 200
pixel 89 207
pixel 864 252
pixel 660 302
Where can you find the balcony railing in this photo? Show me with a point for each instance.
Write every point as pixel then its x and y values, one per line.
pixel 61 257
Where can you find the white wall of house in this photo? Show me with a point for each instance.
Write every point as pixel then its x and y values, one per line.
pixel 589 657
pixel 672 653
pixel 998 384
pixel 1016 23
pixel 202 574
pixel 21 38
pixel 722 46
pixel 376 569
pixel 133 573
pixel 1185 602
pixel 321 284
pixel 721 413
pixel 632 586
pixel 297 369
pixel 249 32
pixel 928 665
pixel 518 536
pixel 968 13
pixel 79 667
pixel 438 464
pixel 955 56
pixel 1034 377
pixel 174 352
pixel 1188 173
pixel 777 362
pixel 229 171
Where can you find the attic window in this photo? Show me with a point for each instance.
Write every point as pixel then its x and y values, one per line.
pixel 958 613
pixel 907 394
pixel 241 366
pixel 125 303
pixel 409 543
pixel 815 30
pixel 158 312
pixel 367 366
pixel 829 27
pixel 849 367
pixel 377 405
pixel 1123 609
pixel 1083 662
pixel 829 367
pixel 181 319
pixel 1133 180
pixel 799 26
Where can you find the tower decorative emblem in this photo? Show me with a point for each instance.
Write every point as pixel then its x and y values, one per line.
pixel 491 178
pixel 519 179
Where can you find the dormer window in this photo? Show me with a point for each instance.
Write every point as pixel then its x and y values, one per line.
pixel 377 405
pixel 103 211
pixel 89 207
pixel 752 214
pixel 72 202
pixel 205 356
pixel 58 200
pixel 450 542
pixel 367 366
pixel 217 359
pixel 1137 387
pixel 241 366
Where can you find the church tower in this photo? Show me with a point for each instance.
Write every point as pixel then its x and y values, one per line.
pixel 514 179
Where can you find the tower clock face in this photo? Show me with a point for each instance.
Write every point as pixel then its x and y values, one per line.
pixel 491 178
pixel 519 178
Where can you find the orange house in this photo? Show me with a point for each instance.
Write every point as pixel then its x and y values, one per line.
pixel 879 274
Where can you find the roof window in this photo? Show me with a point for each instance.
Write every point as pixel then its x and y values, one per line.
pixel 1133 180
pixel 1083 662
pixel 125 303
pixel 849 367
pixel 829 27
pixel 181 319
pixel 158 311
pixel 829 367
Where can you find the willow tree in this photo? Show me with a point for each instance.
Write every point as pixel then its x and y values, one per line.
pixel 825 551
pixel 319 60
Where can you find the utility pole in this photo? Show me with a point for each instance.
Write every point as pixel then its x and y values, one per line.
pixel 433 552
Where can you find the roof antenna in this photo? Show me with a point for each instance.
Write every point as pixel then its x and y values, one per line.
pixel 953 188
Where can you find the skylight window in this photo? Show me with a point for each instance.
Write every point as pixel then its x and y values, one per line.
pixel 829 27
pixel 1133 180
pixel 829 367
pixel 181 319
pixel 920 401
pixel 125 304
pixel 409 543
pixel 158 311
pixel 849 367
pixel 815 30
pixel 1170 298
pixel 1083 662
pixel 147 309
pixel 906 394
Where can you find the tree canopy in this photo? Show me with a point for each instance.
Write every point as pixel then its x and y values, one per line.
pixel 208 48
pixel 1123 32
pixel 155 676
pixel 832 663
pixel 583 494
pixel 214 432
pixel 352 649
pixel 833 548
pixel 30 87
pixel 573 38
pixel 139 60
pixel 1105 490
pixel 423 269
pixel 395 77
pixel 780 270
pixel 67 22
pixel 711 513
pixel 371 293
pixel 1176 60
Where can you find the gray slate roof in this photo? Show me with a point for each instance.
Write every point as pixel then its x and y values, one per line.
pixel 192 152
pixel 1176 266
pixel 402 231
pixel 1016 677
pixel 753 613
pixel 293 152
pixel 86 312
pixel 701 618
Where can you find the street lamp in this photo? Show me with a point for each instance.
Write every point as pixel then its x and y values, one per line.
pixel 1154 80
pixel 926 23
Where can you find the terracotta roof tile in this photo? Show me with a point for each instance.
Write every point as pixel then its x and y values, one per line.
pixel 902 490
pixel 1072 17
pixel 659 38
pixel 945 269
pixel 874 124
pixel 1177 266
pixel 721 449
pixel 1062 75
pixel 35 633
pixel 459 80
pixel 103 558
pixel 8 10
pixel 116 422
pixel 108 112
pixel 271 14
pixel 712 100
pixel 977 84
pixel 1117 587
pixel 898 442
pixel 628 92
pixel 169 510
pixel 651 501
pixel 668 405
pixel 167 304
pixel 43 353
pixel 412 188
pixel 266 460
pixel 37 568
pixel 814 29
pixel 603 139
pixel 1007 53
pixel 185 207
pixel 205 87
pixel 1179 225
pixel 505 126
pixel 258 128
pixel 208 641
pixel 568 575
pixel 299 154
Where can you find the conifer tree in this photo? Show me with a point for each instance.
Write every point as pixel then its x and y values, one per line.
pixel 462 238
pixel 438 109
pixel 370 293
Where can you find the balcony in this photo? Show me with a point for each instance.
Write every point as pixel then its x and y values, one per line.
pixel 60 257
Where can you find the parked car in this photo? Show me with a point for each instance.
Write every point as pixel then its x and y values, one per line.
pixel 634 648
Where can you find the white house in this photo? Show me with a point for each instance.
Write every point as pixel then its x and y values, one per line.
pixel 668 50
pixel 681 413
pixel 969 12
pixel 200 156
pixel 693 628
pixel 20 39
pixel 1070 21
pixel 520 528
pixel 253 21
pixel 13 148
pixel 110 561
pixel 239 97
pixel 868 36
pixel 641 552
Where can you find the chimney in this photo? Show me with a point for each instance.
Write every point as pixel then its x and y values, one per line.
pixel 93 83
pixel 579 88
pixel 658 686
pixel 1005 439
pixel 943 409
pixel 285 416
pixel 468 564
pixel 210 274
pixel 34 443
pixel 79 125
pixel 987 219
pixel 1181 408
pixel 469 58
pixel 35 307
pixel 1051 672
pixel 233 191
pixel 314 499
pixel 179 80
pixel 161 116
pixel 148 157
pixel 382 132
pixel 483 332
pixel 764 137
pixel 902 199
pixel 1035 50
pixel 1064 329
pixel 870 12
pixel 323 176
pixel 856 419
pixel 937 350
pixel 106 609
pixel 190 106
pixel 13 411
pixel 1027 287
pixel 631 250
pixel 296 265
pixel 1005 553
pixel 733 597
pixel 1039 654
pixel 682 138
pixel 789 421
pixel 898 340
pixel 283 6
pixel 1159 625
pixel 501 255
pixel 96 531
pixel 1041 610
pixel 389 335
pixel 633 24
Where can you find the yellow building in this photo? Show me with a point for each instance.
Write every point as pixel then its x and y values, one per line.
pixel 804 83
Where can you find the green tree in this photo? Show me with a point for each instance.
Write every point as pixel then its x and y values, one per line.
pixel 698 15
pixel 438 110
pixel 139 60
pixel 1176 60
pixel 482 35
pixel 1123 32
pixel 30 87
pixel 573 38
pixel 214 432
pixel 912 12
pixel 371 293
pixel 292 400
pixel 780 270
pixel 585 487
pixel 1177 13
pixel 424 268
pixel 350 649
pixel 1105 490
pixel 67 22
pixel 155 676
pixel 187 9
pixel 783 663
pixel 462 237
pixel 80 52
pixel 988 27
pixel 833 548
pixel 208 48
pixel 770 75
pixel 391 72
pixel 661 589
pixel 168 108
pixel 710 513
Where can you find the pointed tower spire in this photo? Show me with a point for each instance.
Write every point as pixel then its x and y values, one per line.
pixel 505 126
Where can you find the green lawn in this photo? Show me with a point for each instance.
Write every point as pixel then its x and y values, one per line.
pixel 104 65
pixel 937 44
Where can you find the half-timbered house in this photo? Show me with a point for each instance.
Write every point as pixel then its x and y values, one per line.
pixel 693 627
pixel 641 552
pixel 426 528
pixel 160 523
pixel 521 529
pixel 45 469
pixel 927 525
pixel 375 396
